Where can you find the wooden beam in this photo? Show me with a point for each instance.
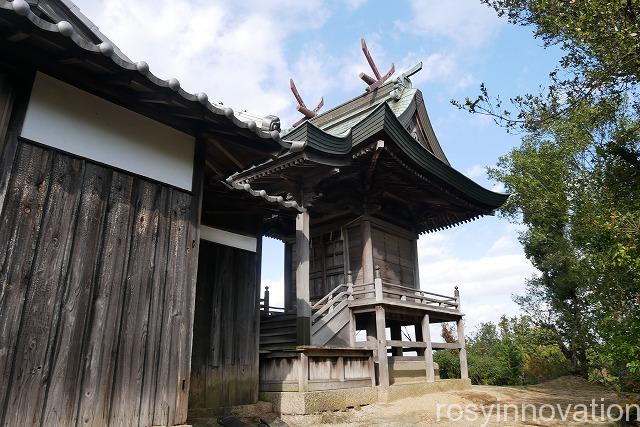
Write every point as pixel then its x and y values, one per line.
pixel 416 265
pixel 405 344
pixel 373 164
pixel 367 252
pixel 303 321
pixel 303 373
pixel 445 346
pixel 228 154
pixel 464 370
pixel 289 290
pixel 428 351
pixel 383 362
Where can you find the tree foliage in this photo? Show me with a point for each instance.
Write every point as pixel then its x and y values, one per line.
pixel 575 181
pixel 512 352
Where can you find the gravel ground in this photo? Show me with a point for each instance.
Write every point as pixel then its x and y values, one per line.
pixel 566 401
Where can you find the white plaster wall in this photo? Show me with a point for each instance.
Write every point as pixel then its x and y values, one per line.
pixel 69 119
pixel 228 238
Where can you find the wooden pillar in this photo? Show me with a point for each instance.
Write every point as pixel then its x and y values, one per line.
pixel 303 372
pixel 383 363
pixel 367 253
pixel 303 321
pixel 266 301
pixel 396 335
pixel 377 284
pixel 419 335
pixel 416 265
pixel 464 371
pixel 428 351
pixel 352 329
pixel 289 290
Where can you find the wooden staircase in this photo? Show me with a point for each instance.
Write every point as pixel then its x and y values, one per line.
pixel 277 331
pixel 330 318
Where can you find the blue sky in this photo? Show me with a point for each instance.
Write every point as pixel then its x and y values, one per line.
pixel 243 53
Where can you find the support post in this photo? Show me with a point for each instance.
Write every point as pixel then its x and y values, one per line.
pixel 303 320
pixel 419 338
pixel 289 290
pixel 428 351
pixel 416 266
pixel 266 300
pixel 303 373
pixel 377 282
pixel 383 362
pixel 352 329
pixel 367 252
pixel 349 285
pixel 464 371
pixel 340 368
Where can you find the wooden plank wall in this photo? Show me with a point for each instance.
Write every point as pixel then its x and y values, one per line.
pixel 97 278
pixel 355 254
pixel 224 369
pixel 395 256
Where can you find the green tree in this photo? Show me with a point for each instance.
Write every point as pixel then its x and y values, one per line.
pixel 575 181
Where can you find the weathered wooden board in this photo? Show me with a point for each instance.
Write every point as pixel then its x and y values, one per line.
pixel 96 295
pixel 19 230
pixel 102 340
pixel 395 256
pixel 224 369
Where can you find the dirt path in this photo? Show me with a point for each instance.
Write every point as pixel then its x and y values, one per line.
pixel 564 401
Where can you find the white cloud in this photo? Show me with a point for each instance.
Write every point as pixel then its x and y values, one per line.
pixel 467 22
pixel 475 171
pixel 437 67
pixel 486 283
pixel 434 246
pixel 498 187
pixel 354 4
pixel 234 51
pixel 506 243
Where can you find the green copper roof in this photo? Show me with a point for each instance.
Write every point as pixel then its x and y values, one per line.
pixel 405 102
pixel 383 118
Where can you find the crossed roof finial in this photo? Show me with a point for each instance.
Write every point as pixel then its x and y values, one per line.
pixel 302 107
pixel 374 83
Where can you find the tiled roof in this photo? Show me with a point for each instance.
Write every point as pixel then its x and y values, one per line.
pixel 262 126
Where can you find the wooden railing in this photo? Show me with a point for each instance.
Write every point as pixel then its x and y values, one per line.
pixel 268 309
pixel 329 302
pixel 381 290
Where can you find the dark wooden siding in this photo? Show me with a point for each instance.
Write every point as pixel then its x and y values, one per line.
pixel 354 239
pixel 225 350
pixel 97 278
pixel 394 254
pixel 326 266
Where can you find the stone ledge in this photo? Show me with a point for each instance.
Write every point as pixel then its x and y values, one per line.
pixel 251 410
pixel 310 402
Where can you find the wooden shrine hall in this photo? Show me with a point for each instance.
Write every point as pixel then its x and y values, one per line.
pixel 132 214
pixel 368 177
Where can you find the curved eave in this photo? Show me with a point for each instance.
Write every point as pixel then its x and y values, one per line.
pixel 383 119
pixel 428 163
pixel 62 38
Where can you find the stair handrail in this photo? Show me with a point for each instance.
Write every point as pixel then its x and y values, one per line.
pixel 339 298
pixel 327 297
pixel 265 301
